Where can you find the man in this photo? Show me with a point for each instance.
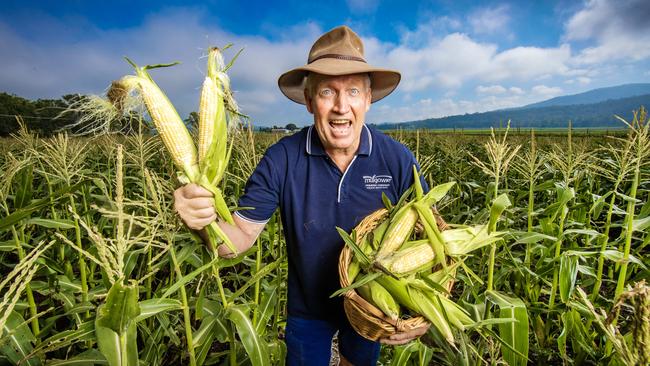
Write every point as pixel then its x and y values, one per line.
pixel 330 174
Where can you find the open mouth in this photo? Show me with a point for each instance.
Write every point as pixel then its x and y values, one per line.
pixel 341 126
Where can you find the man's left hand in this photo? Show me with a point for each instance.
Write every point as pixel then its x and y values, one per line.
pixel 402 338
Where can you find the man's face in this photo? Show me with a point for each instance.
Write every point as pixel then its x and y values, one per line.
pixel 339 105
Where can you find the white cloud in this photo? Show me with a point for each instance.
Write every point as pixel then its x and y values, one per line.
pixel 620 30
pixel 48 70
pixel 489 20
pixel 449 62
pixel 491 89
pixel 516 90
pixel 524 63
pixel 546 91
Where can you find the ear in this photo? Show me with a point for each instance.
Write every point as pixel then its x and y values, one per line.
pixel 308 101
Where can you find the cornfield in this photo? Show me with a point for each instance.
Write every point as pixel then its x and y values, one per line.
pixel 564 285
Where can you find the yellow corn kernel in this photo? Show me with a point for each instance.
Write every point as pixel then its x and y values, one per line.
pixel 398 231
pixel 170 126
pixel 409 260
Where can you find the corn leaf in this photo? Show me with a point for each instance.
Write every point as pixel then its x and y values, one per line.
pixel 568 276
pixel 498 206
pixel 358 253
pixel 115 325
pixel 266 308
pixel 188 277
pixel 24 212
pixel 84 332
pixel 641 224
pixel 256 277
pixel 403 353
pixel 366 278
pixel 432 313
pixel 433 234
pixel 202 338
pixel 386 201
pixel 515 334
pixel 20 339
pixel 253 344
pixel 436 193
pixel 90 357
pixel 25 189
pixel 121 307
pixel 151 307
pixel 401 202
pixel 419 192
pixel 60 224
pixel 119 349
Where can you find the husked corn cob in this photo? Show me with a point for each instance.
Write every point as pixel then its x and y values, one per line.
pixel 213 129
pixel 409 260
pixel 398 231
pixel 169 124
pixel 177 138
pixel 210 108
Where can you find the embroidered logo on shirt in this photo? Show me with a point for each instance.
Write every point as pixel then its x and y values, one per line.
pixel 377 181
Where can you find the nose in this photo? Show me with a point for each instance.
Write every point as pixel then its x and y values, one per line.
pixel 341 104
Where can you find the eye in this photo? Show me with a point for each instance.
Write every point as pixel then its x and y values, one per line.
pixel 354 92
pixel 325 93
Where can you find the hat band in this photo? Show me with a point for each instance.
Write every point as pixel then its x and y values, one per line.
pixel 339 57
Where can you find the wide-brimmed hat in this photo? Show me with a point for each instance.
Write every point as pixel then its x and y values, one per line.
pixel 338 52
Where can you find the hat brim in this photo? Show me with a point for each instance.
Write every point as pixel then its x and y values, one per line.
pixel 383 81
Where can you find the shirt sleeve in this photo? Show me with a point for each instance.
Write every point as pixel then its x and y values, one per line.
pixel 262 192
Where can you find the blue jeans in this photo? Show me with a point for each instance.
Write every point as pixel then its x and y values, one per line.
pixel 309 342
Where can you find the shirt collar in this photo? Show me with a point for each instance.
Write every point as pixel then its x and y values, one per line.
pixel 313 145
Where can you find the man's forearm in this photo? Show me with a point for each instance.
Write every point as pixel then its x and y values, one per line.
pixel 243 235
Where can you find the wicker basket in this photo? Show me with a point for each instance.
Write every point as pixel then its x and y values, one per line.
pixel 365 318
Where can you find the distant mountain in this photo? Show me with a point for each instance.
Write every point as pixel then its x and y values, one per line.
pixel 599 114
pixel 595 96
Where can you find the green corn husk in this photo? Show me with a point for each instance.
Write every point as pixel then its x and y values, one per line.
pixel 377 295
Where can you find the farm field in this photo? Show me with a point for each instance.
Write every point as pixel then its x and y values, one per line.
pixel 564 286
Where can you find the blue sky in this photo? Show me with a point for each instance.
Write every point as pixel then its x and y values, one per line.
pixel 456 57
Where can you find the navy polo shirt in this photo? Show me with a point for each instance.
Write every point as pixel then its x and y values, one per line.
pixel 315 197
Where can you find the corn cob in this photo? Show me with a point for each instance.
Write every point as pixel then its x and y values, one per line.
pixel 398 288
pixel 177 138
pixel 398 231
pixel 377 234
pixel 212 120
pixel 433 234
pixel 409 260
pixel 377 295
pixel 426 308
pixel 354 267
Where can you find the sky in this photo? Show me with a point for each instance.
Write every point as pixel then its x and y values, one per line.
pixel 455 56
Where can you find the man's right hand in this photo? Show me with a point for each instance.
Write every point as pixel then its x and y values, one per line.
pixel 195 205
